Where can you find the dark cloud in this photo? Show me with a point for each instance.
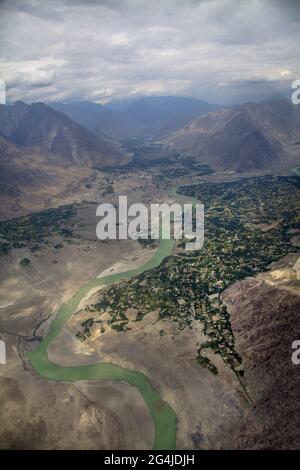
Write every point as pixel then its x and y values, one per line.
pixel 221 50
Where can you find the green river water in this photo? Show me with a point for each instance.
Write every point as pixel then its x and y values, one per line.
pixel 164 417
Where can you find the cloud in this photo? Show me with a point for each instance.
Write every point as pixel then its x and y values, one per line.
pixel 220 50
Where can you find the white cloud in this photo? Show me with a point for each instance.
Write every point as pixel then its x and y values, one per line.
pixel 99 49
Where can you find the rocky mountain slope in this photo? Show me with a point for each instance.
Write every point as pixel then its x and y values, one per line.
pixel 264 315
pixel 38 125
pixel 45 155
pixel 243 138
pixel 30 179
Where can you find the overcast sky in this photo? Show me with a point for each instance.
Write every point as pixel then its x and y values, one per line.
pixel 223 51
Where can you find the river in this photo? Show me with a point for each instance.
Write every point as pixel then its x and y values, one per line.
pixel 164 417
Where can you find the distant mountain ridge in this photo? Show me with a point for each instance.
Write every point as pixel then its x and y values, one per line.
pixel 243 138
pixel 100 120
pixel 142 117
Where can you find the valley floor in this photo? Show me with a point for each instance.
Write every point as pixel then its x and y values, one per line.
pixel 214 410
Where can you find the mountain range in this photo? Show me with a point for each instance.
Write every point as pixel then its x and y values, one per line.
pixel 38 125
pixel 46 155
pixel 143 117
pixel 252 136
pixel 43 152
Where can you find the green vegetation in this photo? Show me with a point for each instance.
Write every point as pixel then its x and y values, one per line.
pixel 32 231
pixel 205 362
pixel 24 262
pixel 164 163
pixel 246 228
